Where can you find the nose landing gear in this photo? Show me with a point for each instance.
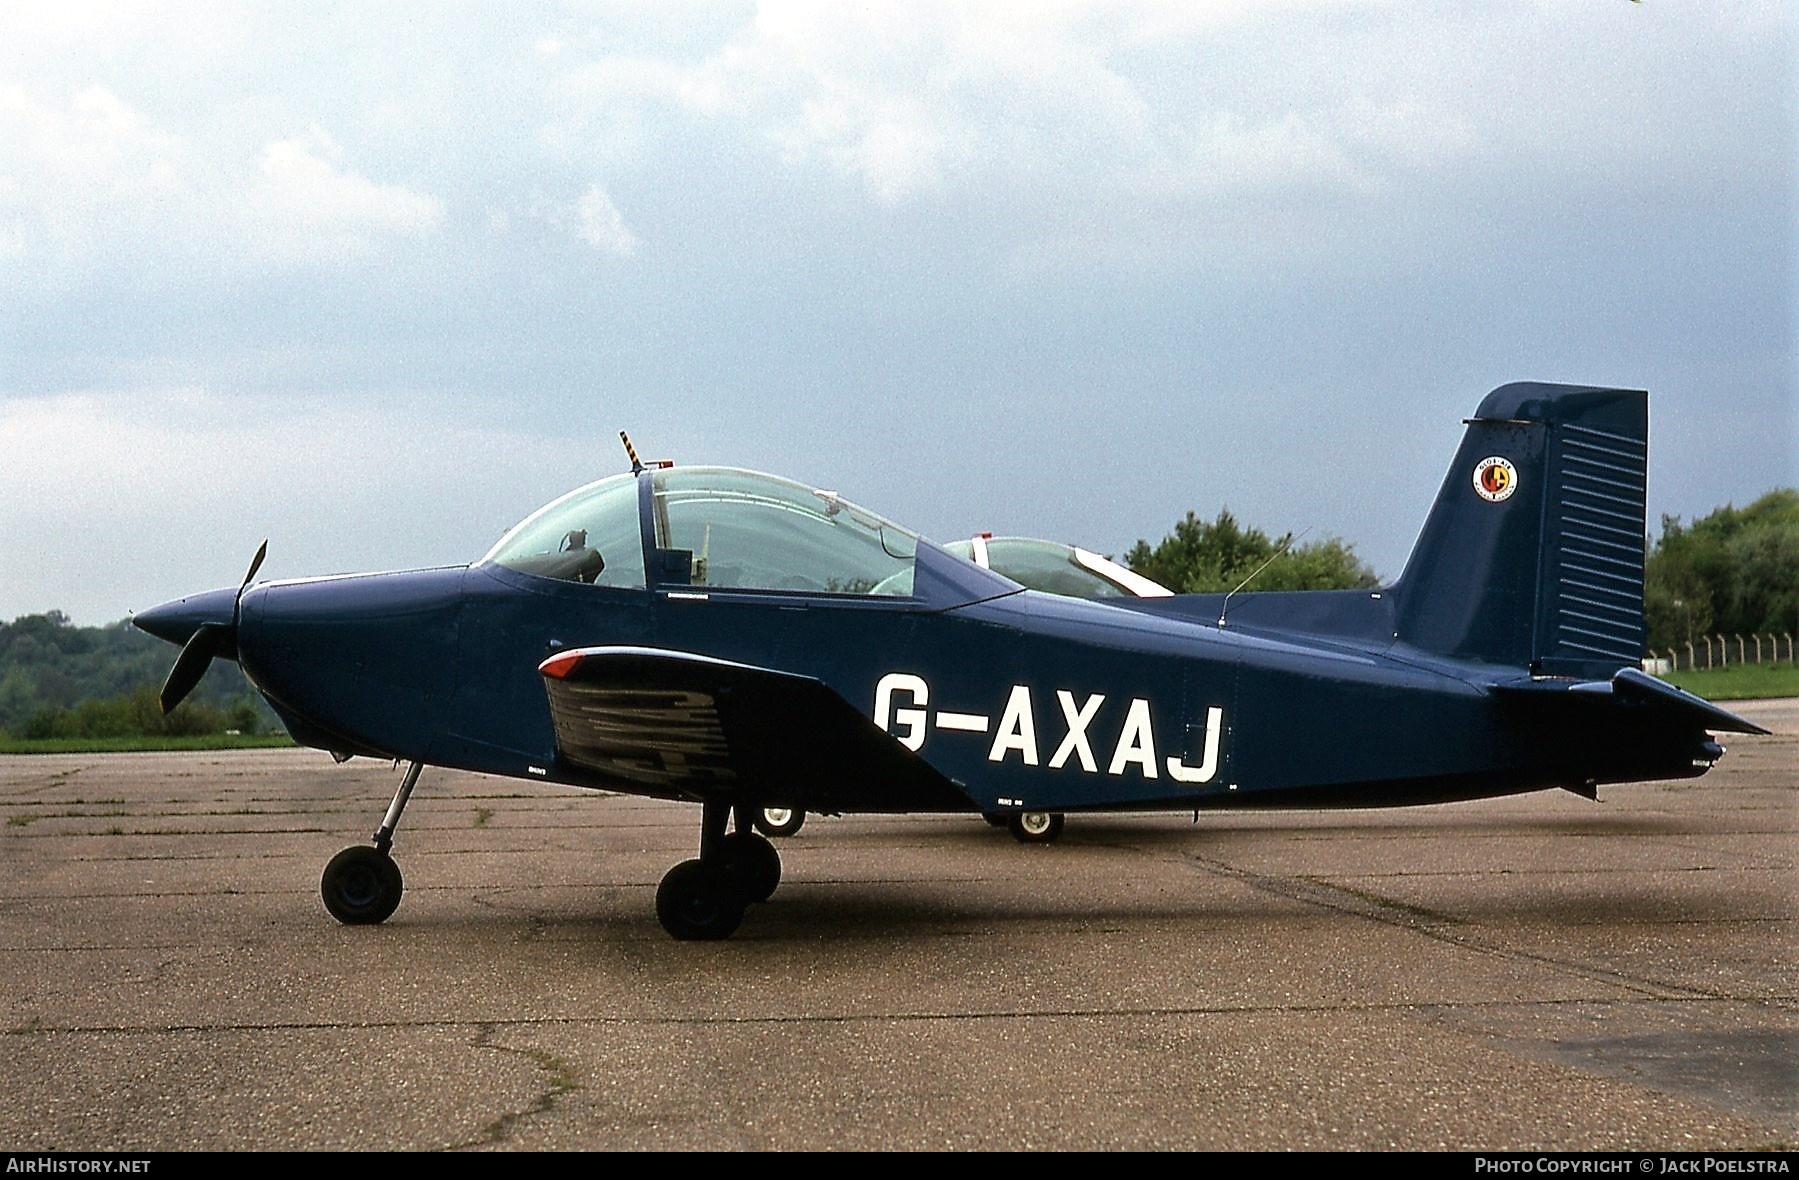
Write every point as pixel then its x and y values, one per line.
pixel 362 884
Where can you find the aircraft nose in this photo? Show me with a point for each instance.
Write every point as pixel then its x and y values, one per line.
pixel 360 664
pixel 177 621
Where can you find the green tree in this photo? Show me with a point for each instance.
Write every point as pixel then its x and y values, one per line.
pixel 1677 599
pixel 1201 557
pixel 1734 572
pixel 60 679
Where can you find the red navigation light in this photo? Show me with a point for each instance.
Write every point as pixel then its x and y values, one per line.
pixel 558 666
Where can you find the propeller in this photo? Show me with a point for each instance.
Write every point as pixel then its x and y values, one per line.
pixel 208 641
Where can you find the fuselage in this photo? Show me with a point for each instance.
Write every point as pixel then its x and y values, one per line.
pixel 1022 699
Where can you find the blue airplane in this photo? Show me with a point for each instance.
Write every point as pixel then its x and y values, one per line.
pixel 745 642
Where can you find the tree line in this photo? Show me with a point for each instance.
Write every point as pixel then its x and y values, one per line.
pixel 58 680
pixel 1733 572
pixel 1209 557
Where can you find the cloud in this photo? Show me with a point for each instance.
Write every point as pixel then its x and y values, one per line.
pixel 602 226
pixel 922 101
pixel 92 182
pixel 897 147
pixel 307 205
pixel 73 174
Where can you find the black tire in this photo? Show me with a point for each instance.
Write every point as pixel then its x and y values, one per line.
pixel 361 886
pixel 1035 827
pixel 753 862
pixel 698 901
pixel 779 821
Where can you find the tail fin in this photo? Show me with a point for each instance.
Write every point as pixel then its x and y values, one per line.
pixel 1533 553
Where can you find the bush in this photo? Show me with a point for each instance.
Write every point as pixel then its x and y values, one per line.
pixel 138 714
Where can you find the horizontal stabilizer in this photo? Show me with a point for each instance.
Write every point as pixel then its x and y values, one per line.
pixel 687 726
pixel 1636 687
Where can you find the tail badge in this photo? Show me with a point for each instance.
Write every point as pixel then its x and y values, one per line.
pixel 1495 479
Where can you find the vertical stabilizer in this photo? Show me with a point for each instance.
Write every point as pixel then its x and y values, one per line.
pixel 1533 552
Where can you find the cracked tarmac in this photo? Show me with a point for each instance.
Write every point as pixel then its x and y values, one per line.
pixel 1530 973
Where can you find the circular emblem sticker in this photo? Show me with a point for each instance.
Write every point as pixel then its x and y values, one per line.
pixel 1495 479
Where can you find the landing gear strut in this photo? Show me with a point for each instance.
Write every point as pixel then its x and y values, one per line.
pixel 704 899
pixel 362 885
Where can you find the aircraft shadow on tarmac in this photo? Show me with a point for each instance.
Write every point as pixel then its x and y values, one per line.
pixel 810 910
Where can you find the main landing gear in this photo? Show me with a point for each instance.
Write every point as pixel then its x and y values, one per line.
pixel 1027 827
pixel 705 898
pixel 362 884
pixel 779 821
pixel 1035 827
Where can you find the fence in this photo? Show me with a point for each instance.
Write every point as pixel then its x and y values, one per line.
pixel 1721 651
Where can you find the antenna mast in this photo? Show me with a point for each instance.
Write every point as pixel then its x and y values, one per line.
pixel 1286 545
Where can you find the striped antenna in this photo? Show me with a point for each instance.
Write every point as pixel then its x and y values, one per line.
pixel 636 463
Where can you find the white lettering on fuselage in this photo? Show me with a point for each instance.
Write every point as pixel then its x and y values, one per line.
pixel 1076 740
pixel 1137 743
pixel 912 718
pixel 1017 729
pixel 901 699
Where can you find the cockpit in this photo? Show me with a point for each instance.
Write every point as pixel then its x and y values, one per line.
pixel 713 527
pixel 739 530
pixel 590 535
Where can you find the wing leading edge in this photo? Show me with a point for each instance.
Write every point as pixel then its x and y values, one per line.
pixel 683 726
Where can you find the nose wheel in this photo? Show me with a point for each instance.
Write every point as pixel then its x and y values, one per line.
pixel 704 899
pixel 362 884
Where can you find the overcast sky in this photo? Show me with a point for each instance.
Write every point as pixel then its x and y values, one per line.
pixel 374 280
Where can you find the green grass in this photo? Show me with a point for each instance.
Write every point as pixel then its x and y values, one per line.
pixel 123 745
pixel 1741 682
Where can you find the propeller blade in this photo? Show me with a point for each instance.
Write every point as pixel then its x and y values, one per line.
pixel 208 641
pixel 255 564
pixel 212 639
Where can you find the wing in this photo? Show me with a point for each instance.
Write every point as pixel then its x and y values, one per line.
pixel 685 726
